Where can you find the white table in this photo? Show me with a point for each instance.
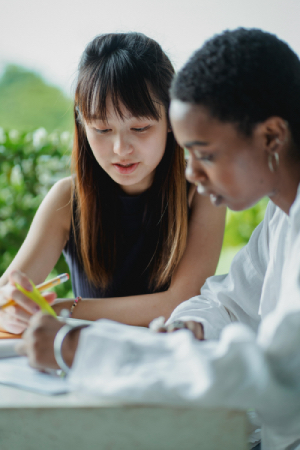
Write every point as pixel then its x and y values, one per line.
pixel 30 421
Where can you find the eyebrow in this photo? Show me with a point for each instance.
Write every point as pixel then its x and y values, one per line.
pixel 129 117
pixel 196 143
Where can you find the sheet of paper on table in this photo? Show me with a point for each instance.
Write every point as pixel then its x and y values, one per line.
pixel 17 372
pixel 8 347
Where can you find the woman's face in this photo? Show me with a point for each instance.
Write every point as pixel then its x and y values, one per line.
pixel 128 149
pixel 229 167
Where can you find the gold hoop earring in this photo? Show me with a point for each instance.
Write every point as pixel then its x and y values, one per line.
pixel 270 161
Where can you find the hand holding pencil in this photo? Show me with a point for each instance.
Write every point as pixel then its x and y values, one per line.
pixel 20 298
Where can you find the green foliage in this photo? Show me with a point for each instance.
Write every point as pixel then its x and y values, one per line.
pixel 30 163
pixel 239 225
pixel 28 103
pixel 238 229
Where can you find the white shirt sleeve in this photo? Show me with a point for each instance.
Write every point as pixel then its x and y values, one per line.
pixel 233 297
pixel 132 364
pixel 244 369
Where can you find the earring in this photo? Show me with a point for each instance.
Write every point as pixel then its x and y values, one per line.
pixel 270 161
pixel 200 189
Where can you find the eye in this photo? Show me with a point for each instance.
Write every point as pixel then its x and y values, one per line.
pixel 205 157
pixel 106 130
pixel 140 130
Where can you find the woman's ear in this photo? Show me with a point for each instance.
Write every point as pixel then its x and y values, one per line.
pixel 276 133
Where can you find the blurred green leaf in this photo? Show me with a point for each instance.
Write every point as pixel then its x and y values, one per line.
pixel 29 165
pixel 238 229
pixel 239 225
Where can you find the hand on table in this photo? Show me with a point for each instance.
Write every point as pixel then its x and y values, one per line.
pixel 195 327
pixel 15 318
pixel 38 342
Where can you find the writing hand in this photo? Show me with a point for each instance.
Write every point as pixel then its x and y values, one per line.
pixel 15 317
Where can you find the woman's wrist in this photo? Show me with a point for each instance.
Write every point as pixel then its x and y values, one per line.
pixel 69 346
pixel 61 304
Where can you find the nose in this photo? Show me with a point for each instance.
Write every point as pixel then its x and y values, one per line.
pixel 121 146
pixel 194 172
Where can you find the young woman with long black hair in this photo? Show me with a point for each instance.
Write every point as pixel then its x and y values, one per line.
pixel 137 240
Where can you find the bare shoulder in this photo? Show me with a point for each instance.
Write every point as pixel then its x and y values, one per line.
pixel 204 212
pixel 202 209
pixel 62 191
pixel 58 202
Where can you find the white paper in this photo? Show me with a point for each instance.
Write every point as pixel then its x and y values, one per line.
pixel 8 347
pixel 17 372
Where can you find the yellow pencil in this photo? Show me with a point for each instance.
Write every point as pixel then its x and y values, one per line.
pixel 44 286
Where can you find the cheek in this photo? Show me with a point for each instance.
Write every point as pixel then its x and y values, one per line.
pixel 155 148
pixel 99 149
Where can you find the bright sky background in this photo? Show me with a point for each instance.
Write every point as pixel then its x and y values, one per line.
pixel 49 36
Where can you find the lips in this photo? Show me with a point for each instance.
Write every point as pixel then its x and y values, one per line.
pixel 215 199
pixel 125 167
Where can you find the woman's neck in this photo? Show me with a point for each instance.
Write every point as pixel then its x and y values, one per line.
pixel 287 187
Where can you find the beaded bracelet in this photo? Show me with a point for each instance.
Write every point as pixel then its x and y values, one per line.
pixel 77 299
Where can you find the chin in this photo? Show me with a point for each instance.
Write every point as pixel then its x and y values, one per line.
pixel 242 206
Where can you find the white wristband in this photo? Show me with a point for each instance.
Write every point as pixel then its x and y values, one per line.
pixel 58 342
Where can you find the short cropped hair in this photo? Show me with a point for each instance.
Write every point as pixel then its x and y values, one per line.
pixel 243 76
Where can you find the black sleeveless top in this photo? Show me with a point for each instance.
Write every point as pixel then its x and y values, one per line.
pixel 134 251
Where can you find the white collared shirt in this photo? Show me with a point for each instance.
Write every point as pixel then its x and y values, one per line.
pixel 251 359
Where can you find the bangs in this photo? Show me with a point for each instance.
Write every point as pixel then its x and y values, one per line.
pixel 117 78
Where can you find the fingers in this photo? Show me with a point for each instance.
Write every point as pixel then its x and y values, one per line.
pixel 14 319
pixel 195 327
pixel 50 297
pixel 14 312
pixel 12 323
pixel 17 308
pixel 176 325
pixel 16 276
pixel 38 341
pixel 10 292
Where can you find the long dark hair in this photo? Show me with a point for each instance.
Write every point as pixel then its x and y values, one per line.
pixel 133 71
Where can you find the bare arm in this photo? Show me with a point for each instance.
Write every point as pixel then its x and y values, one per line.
pixel 205 236
pixel 38 255
pixel 47 236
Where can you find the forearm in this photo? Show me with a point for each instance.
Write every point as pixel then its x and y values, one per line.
pixel 211 315
pixel 137 310
pixel 227 298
